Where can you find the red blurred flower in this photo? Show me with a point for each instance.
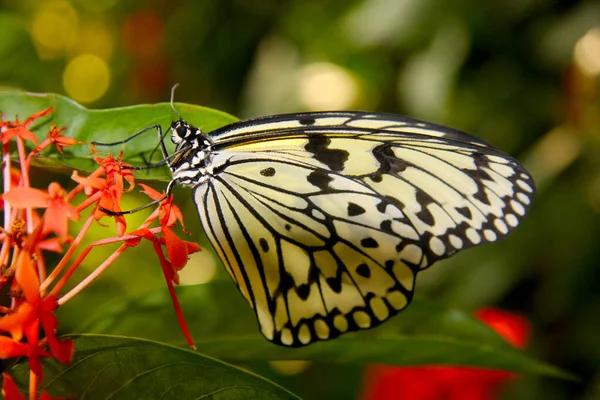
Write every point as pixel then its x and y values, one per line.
pixel 448 382
pixel 33 311
pixel 15 177
pixel 10 391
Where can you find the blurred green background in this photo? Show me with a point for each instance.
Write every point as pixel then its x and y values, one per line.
pixel 521 74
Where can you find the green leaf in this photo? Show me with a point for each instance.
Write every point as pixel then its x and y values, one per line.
pixel 108 125
pixel 224 326
pixel 125 368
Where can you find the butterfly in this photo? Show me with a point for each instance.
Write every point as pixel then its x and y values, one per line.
pixel 323 220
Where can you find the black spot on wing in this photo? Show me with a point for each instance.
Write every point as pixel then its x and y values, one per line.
pixel 318 145
pixel 319 178
pixel 335 283
pixel 465 212
pixel 363 270
pixel 354 209
pixel 303 291
pixel 369 243
pixel 388 162
pixel 386 226
pixel 424 201
pixel 286 282
pixel 306 121
pixel 270 171
pixel 264 245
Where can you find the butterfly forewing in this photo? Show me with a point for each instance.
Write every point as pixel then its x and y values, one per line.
pixel 324 219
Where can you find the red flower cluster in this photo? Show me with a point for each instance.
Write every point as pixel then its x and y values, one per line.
pixel 448 382
pixel 28 325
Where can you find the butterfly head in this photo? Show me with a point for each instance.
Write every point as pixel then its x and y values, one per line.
pixel 181 131
pixel 194 152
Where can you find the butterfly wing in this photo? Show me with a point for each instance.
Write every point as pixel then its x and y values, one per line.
pixel 324 225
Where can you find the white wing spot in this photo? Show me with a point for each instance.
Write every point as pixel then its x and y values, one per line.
pixel 362 319
pixel 511 220
pixel 525 186
pixel 304 334
pixel 490 235
pixel 404 275
pixel 473 236
pixel 379 308
pixel 501 226
pixel 396 299
pixel 497 159
pixel 523 198
pixel 455 241
pixel 437 246
pixel 412 254
pixel 286 336
pixel 517 207
pixel 502 169
pixel 340 322
pixel 321 329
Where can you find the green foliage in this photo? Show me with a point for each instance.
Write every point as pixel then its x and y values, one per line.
pixel 109 125
pixel 117 367
pixel 224 327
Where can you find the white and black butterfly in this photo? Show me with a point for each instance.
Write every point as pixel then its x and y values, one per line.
pixel 323 220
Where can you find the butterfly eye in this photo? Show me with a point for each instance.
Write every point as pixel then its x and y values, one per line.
pixel 182 130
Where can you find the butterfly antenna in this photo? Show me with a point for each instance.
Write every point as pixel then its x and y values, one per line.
pixel 175 86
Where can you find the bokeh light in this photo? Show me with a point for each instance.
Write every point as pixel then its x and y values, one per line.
pixel 86 78
pixel 54 28
pixel 289 367
pixel 93 37
pixel 326 86
pixel 201 268
pixel 587 52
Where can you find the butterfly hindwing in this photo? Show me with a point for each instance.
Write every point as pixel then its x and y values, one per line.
pixel 312 264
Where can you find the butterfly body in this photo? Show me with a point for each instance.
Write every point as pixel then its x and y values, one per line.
pixel 323 220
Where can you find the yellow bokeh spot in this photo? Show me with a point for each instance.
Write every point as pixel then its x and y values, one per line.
pixel 289 367
pixel 587 52
pixel 86 78
pixel 326 86
pixel 93 37
pixel 201 268
pixel 54 28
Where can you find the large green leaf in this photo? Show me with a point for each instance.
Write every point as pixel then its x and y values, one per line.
pixel 224 326
pixel 125 368
pixel 108 125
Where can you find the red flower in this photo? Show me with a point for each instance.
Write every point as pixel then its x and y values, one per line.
pixel 169 214
pixel 32 312
pixel 21 130
pixel 58 213
pixel 109 197
pixel 448 383
pixel 55 136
